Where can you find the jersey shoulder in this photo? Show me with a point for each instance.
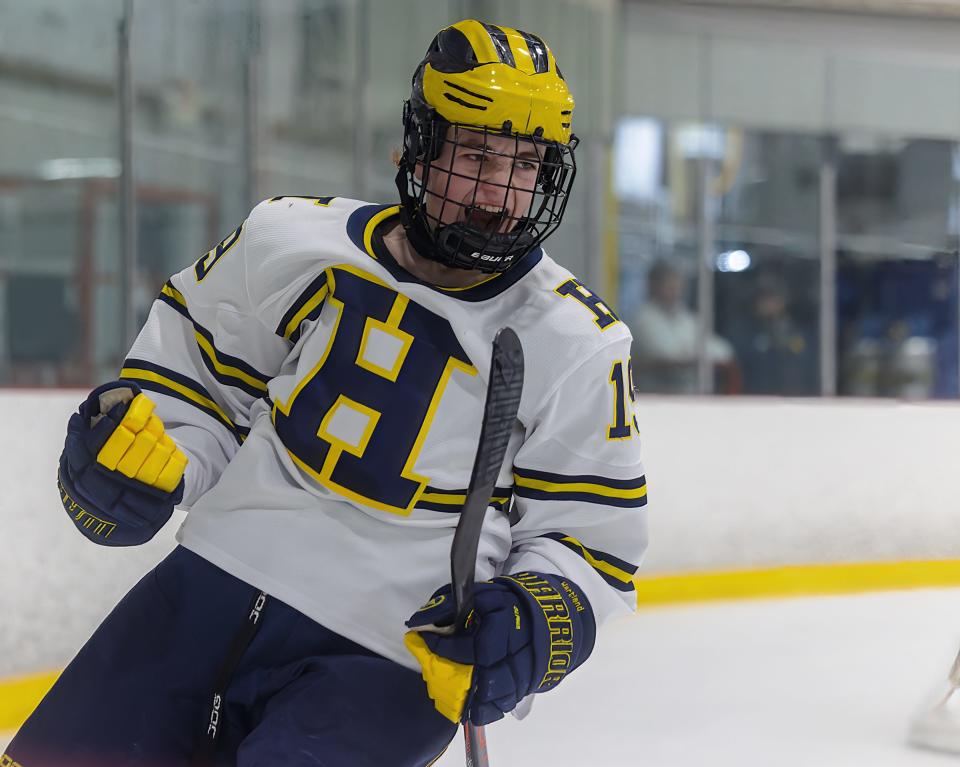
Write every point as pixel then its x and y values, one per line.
pixel 569 313
pixel 288 222
pixel 291 241
pixel 564 326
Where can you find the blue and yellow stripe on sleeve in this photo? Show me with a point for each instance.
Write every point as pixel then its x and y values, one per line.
pixel 225 368
pixel 152 377
pixel 587 488
pixel 307 307
pixel 614 571
pixel 435 499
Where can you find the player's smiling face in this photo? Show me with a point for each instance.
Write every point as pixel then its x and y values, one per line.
pixel 484 181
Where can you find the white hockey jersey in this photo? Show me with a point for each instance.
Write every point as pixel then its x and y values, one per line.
pixel 329 403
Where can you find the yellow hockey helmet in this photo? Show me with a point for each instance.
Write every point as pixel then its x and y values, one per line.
pixel 493 80
pixel 481 74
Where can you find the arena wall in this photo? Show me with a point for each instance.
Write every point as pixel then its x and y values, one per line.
pixel 773 487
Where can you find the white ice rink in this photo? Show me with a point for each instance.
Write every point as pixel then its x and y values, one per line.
pixel 817 682
pixel 813 682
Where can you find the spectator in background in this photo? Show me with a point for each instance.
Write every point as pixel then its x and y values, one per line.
pixel 665 336
pixel 776 354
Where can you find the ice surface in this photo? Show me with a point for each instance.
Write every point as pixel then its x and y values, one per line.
pixel 813 682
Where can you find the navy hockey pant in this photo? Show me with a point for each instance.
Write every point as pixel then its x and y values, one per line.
pixel 139 691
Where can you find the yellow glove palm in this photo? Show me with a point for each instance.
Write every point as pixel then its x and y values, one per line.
pixel 448 682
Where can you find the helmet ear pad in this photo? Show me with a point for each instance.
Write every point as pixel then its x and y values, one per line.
pixel 553 171
pixel 423 135
pixel 411 134
pixel 549 167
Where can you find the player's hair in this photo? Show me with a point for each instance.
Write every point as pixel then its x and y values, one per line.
pixel 486 80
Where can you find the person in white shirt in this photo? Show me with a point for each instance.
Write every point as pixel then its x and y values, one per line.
pixel 665 336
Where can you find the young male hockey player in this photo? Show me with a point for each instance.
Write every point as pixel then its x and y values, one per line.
pixel 312 389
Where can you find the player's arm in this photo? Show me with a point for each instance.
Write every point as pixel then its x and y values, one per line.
pixel 204 358
pixel 201 362
pixel 580 490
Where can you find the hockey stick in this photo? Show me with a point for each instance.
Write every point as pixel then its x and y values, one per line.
pixel 499 413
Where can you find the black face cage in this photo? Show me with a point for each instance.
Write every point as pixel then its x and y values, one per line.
pixel 477 235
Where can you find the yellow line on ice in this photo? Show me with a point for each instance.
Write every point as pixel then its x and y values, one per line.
pixel 20 695
pixel 795 581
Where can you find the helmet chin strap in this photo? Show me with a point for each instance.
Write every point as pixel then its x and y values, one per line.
pixel 416 232
pixel 458 245
pixel 471 249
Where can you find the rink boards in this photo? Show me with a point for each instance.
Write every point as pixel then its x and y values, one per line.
pixel 749 497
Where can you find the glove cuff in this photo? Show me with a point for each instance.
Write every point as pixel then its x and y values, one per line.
pixel 92 406
pixel 132 516
pixel 563 623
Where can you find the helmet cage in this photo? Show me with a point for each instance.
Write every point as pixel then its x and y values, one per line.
pixel 476 238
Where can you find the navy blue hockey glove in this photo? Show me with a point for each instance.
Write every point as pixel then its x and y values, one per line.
pixel 527 631
pixel 120 473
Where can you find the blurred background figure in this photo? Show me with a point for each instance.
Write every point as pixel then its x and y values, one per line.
pixel 898 329
pixel 776 354
pixel 665 336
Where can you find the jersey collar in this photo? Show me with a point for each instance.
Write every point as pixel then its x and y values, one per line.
pixel 365 228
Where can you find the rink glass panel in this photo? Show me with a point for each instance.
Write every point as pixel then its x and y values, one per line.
pixel 234 101
pixel 897 267
pixel 58 127
pixel 767 265
pixel 656 182
pixel 237 101
pixel 760 215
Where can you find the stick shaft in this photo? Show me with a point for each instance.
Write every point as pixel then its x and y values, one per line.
pixel 475 743
pixel 499 414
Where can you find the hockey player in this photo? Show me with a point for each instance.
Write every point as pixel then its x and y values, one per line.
pixel 312 390
pixel 936 725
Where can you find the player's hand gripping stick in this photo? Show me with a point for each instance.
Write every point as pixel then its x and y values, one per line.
pixel 504 387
